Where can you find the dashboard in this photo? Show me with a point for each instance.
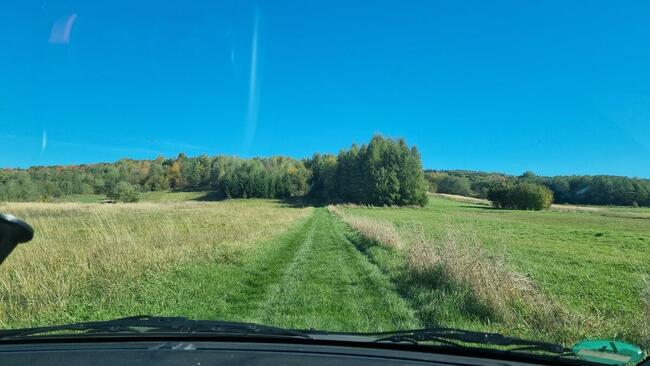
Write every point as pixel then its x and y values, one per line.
pixel 223 353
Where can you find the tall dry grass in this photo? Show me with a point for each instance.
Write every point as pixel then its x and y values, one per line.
pixel 459 260
pixel 77 246
pixel 464 199
pixel 383 232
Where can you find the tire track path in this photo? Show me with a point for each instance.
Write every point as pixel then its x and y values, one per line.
pixel 330 285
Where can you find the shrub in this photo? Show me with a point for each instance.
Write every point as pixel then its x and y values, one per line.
pixel 455 185
pixel 520 196
pixel 125 192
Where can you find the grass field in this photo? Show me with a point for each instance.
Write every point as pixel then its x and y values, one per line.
pixel 558 275
pixel 86 260
pixel 156 196
pixel 590 264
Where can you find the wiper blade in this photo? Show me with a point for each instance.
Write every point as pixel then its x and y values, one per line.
pixel 143 325
pixel 152 325
pixel 457 337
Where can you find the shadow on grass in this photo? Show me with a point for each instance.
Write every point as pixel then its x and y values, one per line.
pixel 436 298
pixel 292 202
pixel 210 196
pixel 301 202
pixel 482 207
pixel 191 189
pixel 208 193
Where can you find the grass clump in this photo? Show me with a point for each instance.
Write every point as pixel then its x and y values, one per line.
pixel 383 232
pixel 458 262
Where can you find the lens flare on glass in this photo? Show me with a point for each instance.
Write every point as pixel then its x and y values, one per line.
pixel 61 29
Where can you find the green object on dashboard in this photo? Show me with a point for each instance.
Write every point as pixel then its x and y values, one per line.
pixel 608 352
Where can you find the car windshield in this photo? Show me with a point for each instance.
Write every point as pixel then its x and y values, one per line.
pixel 344 166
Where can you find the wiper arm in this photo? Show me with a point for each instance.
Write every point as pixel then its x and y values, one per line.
pixel 457 336
pixel 154 325
pixel 150 325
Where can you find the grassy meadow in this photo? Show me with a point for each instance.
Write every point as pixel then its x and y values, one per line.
pixel 560 275
pixel 153 196
pixel 576 271
pixel 86 260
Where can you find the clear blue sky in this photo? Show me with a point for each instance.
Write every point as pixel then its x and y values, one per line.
pixel 557 87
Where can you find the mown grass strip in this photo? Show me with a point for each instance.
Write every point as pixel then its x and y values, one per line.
pixel 330 285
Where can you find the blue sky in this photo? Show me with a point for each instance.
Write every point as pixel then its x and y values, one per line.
pixel 557 87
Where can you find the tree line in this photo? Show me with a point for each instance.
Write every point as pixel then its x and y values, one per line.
pixel 231 177
pixel 575 189
pixel 384 172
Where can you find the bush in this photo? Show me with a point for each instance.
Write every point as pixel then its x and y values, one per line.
pixel 455 185
pixel 520 196
pixel 125 192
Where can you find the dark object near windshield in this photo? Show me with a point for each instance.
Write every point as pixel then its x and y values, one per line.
pixel 13 231
pixel 178 326
pixel 175 340
pixel 152 325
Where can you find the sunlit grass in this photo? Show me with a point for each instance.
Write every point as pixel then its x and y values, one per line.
pixel 80 248
pixel 590 263
pixel 155 196
pixel 383 232
pixel 553 275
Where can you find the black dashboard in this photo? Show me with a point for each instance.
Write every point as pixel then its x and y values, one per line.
pixel 205 353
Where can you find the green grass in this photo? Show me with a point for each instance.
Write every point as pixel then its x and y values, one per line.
pixel 298 279
pixel 226 283
pixel 81 198
pixel 176 196
pixel 87 260
pixel 311 276
pixel 592 263
pixel 245 260
pixel 330 285
pixel 269 262
pixel 156 196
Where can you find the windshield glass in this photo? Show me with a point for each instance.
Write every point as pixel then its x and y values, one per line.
pixel 358 166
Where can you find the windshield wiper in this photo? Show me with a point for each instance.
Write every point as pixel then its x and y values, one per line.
pixel 149 325
pixel 458 337
pixel 152 325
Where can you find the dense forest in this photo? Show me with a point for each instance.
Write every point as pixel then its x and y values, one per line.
pixel 574 189
pixel 383 172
